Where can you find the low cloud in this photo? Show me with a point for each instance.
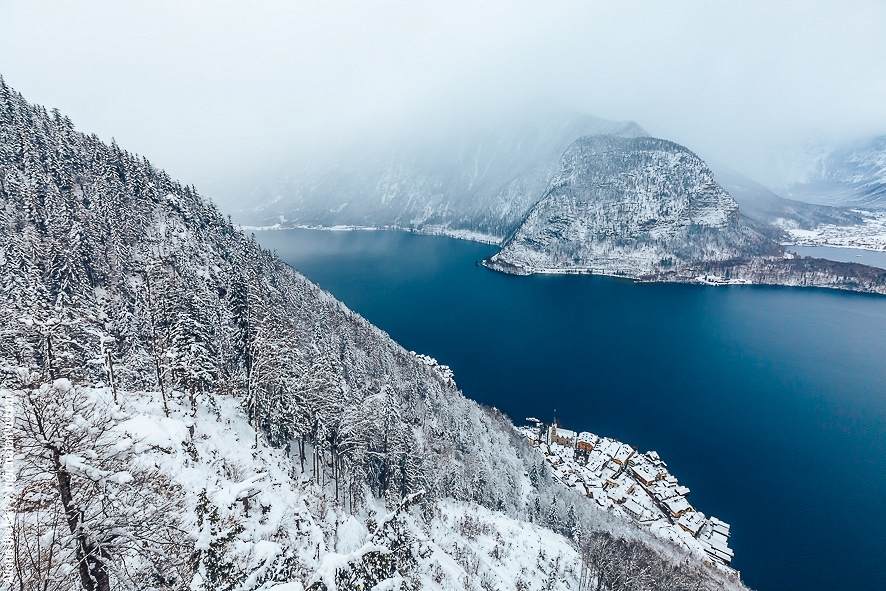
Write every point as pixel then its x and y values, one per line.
pixel 207 88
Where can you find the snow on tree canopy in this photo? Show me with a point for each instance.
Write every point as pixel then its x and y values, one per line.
pixel 191 413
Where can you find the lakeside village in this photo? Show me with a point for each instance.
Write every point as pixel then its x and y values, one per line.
pixel 636 485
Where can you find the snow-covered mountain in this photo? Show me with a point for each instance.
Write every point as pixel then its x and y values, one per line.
pixel 191 413
pixel 650 209
pixel 633 207
pixel 482 182
pixel 772 212
pixel 850 176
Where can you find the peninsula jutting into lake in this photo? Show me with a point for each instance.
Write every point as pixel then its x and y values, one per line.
pixel 633 484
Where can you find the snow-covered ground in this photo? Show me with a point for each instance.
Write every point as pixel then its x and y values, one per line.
pixel 720 280
pixel 471 235
pixel 870 235
pixel 265 512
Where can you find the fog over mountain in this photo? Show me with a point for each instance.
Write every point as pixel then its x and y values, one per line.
pixel 853 174
pixel 215 92
pixel 481 182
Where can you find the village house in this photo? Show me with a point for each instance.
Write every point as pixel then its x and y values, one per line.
pixel 691 522
pixel 643 475
pixel 607 448
pixel 655 459
pixel 623 454
pixel 586 441
pixel 617 494
pixel 677 505
pixel 633 509
pixel 715 543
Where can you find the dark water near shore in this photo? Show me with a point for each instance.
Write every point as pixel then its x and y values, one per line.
pixel 769 403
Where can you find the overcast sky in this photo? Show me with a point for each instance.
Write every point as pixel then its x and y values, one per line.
pixel 203 87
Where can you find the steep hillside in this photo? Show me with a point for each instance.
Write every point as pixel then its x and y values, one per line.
pixel 776 213
pixel 482 182
pixel 191 413
pixel 853 175
pixel 629 206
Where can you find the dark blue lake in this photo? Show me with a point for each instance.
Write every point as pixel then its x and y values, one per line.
pixel 769 403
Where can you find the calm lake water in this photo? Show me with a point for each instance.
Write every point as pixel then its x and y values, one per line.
pixel 874 258
pixel 769 403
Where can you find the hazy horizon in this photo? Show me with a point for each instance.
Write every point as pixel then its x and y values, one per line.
pixel 217 91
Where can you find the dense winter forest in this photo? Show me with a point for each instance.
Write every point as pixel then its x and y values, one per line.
pixel 191 413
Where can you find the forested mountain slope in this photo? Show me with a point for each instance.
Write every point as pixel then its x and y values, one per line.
pixel 483 181
pixel 650 209
pixel 630 206
pixel 191 413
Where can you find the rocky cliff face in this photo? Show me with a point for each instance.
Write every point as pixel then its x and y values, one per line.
pixel 629 206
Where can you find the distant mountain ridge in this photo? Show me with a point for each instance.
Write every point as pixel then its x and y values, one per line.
pixel 853 176
pixel 773 212
pixel 484 181
pixel 652 210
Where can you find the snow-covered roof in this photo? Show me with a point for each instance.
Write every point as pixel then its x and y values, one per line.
pixel 634 508
pixel 662 489
pixel 624 452
pixel 642 473
pixel 720 526
pixel 587 437
pixel 677 505
pixel 608 447
pixel 691 522
pixel 565 433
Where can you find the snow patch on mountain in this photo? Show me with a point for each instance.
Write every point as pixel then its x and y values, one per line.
pixel 870 234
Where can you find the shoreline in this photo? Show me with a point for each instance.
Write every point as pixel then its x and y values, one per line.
pixel 856 277
pixel 826 244
pixel 796 271
pixel 468 235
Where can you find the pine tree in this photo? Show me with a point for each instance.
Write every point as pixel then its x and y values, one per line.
pixel 215 566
